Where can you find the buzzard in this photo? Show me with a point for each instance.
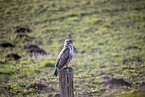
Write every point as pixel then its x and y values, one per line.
pixel 65 56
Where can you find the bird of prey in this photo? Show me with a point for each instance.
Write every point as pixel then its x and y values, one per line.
pixel 65 56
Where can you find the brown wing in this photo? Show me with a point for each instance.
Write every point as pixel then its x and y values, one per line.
pixel 62 58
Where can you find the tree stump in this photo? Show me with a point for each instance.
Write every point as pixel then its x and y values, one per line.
pixel 66 82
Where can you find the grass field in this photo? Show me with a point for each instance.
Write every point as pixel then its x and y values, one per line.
pixel 109 37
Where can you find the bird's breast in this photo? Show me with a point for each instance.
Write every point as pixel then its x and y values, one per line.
pixel 71 51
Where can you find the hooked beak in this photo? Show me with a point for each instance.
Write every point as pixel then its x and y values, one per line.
pixel 71 42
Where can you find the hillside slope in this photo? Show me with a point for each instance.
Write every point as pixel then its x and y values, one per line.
pixel 109 38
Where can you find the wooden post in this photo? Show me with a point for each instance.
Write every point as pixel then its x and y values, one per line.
pixel 66 82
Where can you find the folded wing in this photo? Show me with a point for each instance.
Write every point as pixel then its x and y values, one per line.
pixel 62 58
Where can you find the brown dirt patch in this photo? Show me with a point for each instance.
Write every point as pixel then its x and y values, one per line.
pixel 13 56
pixel 131 47
pixel 22 29
pixel 6 44
pixel 115 81
pixel 38 86
pixel 42 87
pixel 32 48
pixel 134 58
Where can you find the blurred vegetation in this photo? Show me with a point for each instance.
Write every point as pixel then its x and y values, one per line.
pixel 109 37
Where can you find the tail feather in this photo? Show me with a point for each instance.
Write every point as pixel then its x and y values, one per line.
pixel 56 72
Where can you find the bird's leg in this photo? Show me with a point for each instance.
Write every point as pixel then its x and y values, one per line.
pixel 67 70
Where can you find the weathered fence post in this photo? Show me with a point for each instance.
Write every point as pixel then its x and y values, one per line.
pixel 66 82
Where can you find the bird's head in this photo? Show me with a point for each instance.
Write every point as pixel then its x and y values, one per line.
pixel 68 42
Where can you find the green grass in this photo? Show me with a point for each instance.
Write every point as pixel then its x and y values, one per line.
pixel 101 30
